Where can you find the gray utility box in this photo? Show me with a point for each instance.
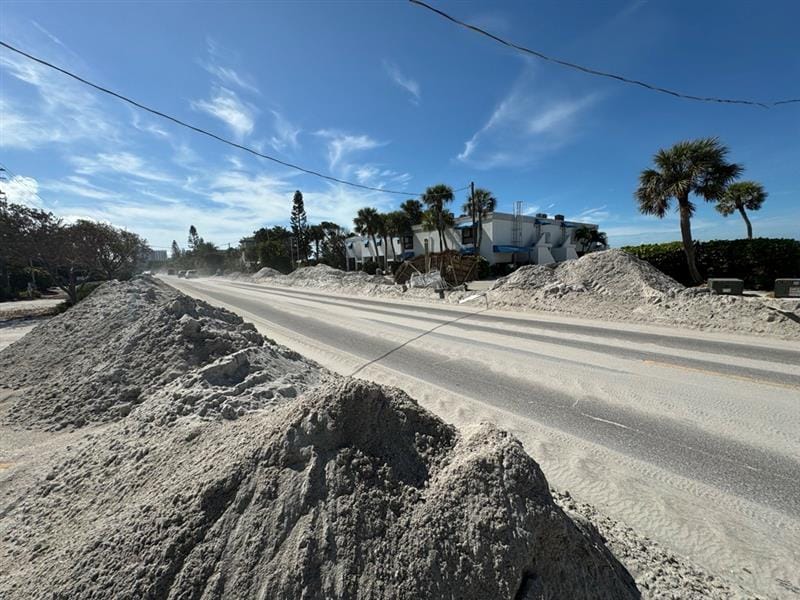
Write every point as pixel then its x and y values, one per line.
pixel 731 287
pixel 787 288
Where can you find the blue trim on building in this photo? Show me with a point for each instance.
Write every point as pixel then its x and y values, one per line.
pixel 510 249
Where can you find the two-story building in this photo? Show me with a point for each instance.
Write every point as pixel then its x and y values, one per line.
pixel 506 238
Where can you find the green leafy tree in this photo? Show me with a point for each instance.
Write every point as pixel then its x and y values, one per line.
pixel 431 221
pixel 397 225
pixel 316 235
pixel 176 250
pixel 742 196
pixel 299 224
pixel 478 206
pixel 695 167
pixel 436 198
pixel 272 248
pixel 590 238
pixel 334 245
pixel 413 210
pixel 367 222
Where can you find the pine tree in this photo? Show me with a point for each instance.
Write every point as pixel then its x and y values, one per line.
pixel 176 250
pixel 299 225
pixel 194 239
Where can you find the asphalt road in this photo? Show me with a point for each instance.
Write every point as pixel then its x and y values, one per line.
pixel 408 339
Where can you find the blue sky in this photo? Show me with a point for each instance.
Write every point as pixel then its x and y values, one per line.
pixel 389 95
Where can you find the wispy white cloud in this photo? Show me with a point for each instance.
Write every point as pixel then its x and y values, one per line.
pixel 226 106
pixel 123 163
pixel 147 126
pixel 341 145
pixel 525 126
pixel 217 64
pixel 408 84
pixel 62 111
pixel 592 215
pixel 80 186
pixel 286 133
pixel 20 189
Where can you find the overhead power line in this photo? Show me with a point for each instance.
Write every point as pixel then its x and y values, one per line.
pixel 23 181
pixel 591 71
pixel 202 131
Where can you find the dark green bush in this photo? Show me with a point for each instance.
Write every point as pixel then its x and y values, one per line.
pixel 370 267
pixel 758 262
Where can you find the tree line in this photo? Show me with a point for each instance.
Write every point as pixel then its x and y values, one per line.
pixel 431 211
pixel 39 250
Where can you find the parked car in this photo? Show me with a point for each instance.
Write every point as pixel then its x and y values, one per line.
pixel 181 273
pixel 170 271
pixel 191 274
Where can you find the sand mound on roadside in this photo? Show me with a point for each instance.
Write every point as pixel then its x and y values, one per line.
pixel 99 360
pixel 350 491
pixel 326 277
pixel 611 273
pixel 266 273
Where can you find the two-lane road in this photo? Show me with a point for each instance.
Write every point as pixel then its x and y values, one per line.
pixel 692 438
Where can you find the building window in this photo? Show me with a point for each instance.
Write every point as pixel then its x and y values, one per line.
pixel 408 242
pixel 466 236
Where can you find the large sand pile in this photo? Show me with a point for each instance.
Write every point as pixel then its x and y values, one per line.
pixel 348 491
pixel 619 286
pixel 125 341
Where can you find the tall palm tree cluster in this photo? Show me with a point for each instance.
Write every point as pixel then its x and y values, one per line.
pixel 431 211
pixel 697 168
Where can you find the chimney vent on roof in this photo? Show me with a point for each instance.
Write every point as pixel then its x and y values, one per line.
pixel 541 215
pixel 559 217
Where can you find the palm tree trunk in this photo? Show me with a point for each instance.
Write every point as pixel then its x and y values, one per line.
pixel 688 244
pixel 374 246
pixel 747 222
pixel 479 239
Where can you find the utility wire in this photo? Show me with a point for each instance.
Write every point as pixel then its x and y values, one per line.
pixel 590 71
pixel 200 130
pixel 23 181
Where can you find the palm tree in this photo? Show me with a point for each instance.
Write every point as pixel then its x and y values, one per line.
pixel 590 237
pixel 382 229
pixel 739 196
pixel 432 220
pixel 397 225
pixel 315 234
pixel 436 198
pixel 367 223
pixel 478 206
pixel 696 167
pixel 413 210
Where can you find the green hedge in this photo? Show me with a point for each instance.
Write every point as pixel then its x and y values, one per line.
pixel 758 262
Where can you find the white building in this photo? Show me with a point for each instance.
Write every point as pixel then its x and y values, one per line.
pixel 506 238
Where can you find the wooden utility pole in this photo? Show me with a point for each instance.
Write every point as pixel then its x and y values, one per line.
pixel 474 211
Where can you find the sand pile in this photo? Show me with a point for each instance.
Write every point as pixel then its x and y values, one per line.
pixel 614 285
pixel 349 490
pixel 266 273
pixel 328 278
pixel 612 273
pixel 100 359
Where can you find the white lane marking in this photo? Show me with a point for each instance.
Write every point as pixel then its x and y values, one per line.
pixel 606 421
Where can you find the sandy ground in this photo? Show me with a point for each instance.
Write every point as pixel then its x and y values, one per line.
pixel 751 544
pixel 28 308
pixel 11 331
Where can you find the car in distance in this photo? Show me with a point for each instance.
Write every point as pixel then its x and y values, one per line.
pixel 181 273
pixel 191 274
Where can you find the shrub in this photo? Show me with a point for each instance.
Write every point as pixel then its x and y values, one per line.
pixel 758 262
pixel 370 267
